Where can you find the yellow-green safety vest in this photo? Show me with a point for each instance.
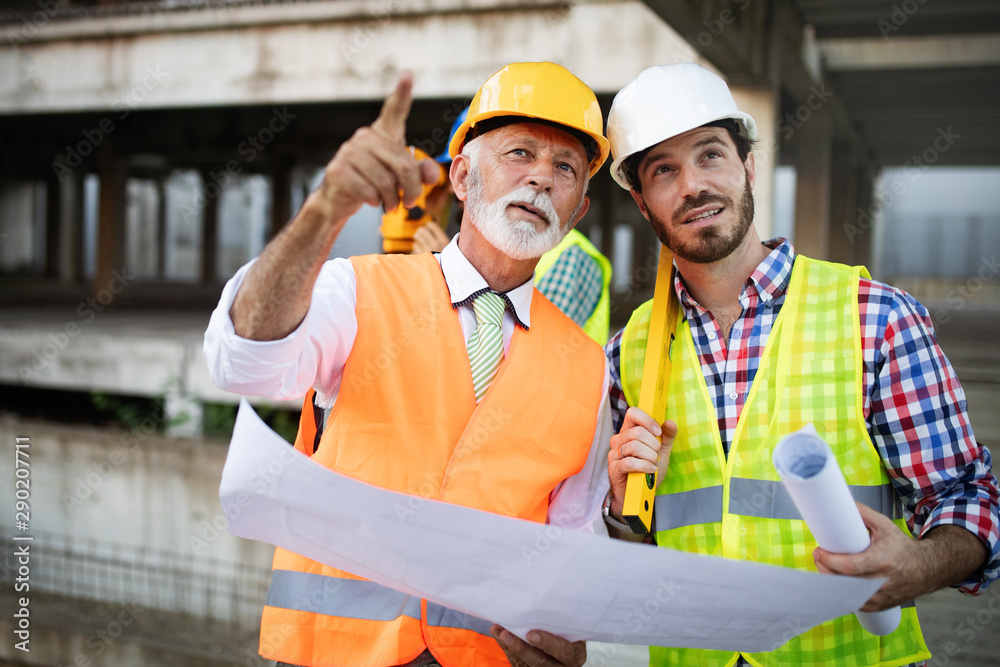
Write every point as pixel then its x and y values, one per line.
pixel 735 506
pixel 597 325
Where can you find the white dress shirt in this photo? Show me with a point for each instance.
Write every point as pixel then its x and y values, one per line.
pixel 315 353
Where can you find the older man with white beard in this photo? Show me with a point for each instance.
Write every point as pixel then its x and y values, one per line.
pixel 446 376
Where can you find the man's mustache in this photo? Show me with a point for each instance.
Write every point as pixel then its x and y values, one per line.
pixel 704 199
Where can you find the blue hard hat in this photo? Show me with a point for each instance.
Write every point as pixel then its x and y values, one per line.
pixel 445 157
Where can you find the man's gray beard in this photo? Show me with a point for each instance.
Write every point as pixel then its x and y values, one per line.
pixel 517 239
pixel 710 246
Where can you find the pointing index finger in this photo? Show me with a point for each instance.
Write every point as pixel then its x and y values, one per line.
pixel 391 120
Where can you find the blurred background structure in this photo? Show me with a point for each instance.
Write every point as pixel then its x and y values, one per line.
pixel 151 147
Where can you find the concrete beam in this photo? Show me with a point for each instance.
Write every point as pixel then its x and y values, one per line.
pixel 730 34
pixel 343 57
pixel 911 52
pixel 85 25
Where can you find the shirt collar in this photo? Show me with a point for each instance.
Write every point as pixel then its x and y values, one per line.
pixel 465 283
pixel 769 280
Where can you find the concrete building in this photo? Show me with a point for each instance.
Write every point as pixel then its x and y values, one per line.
pixel 150 148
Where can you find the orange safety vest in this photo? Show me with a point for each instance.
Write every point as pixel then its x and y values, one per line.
pixel 406 419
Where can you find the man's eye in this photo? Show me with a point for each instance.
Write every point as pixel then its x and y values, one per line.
pixel 519 151
pixel 566 167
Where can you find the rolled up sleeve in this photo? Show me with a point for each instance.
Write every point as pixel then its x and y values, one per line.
pixel 921 427
pixel 313 355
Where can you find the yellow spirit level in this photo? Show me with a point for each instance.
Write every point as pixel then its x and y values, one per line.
pixel 640 488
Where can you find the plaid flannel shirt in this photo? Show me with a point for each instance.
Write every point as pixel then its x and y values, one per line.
pixel 573 283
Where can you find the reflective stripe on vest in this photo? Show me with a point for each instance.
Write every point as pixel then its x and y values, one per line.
pixel 443 617
pixel 598 323
pixel 361 599
pixel 355 598
pixel 810 370
pixel 765 499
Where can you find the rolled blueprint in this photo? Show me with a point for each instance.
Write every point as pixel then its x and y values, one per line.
pixel 813 479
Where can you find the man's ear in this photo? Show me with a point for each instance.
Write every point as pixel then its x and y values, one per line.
pixel 583 211
pixel 751 166
pixel 459 175
pixel 637 196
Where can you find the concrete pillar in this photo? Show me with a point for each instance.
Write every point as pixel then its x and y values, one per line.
pixel 209 234
pixel 843 196
pixel 761 103
pixel 864 190
pixel 813 157
pixel 161 225
pixel 110 215
pixel 52 227
pixel 281 197
pixel 71 228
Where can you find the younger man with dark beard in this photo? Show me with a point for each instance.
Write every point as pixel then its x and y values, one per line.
pixel 766 342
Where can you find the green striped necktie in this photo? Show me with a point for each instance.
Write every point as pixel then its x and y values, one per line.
pixel 486 343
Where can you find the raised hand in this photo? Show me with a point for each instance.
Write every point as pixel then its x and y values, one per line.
pixel 372 167
pixel 375 165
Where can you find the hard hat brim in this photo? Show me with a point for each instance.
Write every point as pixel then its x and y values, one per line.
pixel 744 120
pixel 600 156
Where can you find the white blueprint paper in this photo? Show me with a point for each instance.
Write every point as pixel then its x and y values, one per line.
pixel 816 484
pixel 519 574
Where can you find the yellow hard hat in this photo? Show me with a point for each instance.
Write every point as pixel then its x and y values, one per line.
pixel 544 91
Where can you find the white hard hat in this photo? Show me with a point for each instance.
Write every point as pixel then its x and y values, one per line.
pixel 664 101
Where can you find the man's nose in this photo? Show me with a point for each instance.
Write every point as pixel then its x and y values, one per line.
pixel 692 182
pixel 540 174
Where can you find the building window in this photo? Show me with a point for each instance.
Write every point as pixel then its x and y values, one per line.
pixel 22 227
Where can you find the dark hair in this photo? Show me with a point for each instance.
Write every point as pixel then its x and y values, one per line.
pixel 743 148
